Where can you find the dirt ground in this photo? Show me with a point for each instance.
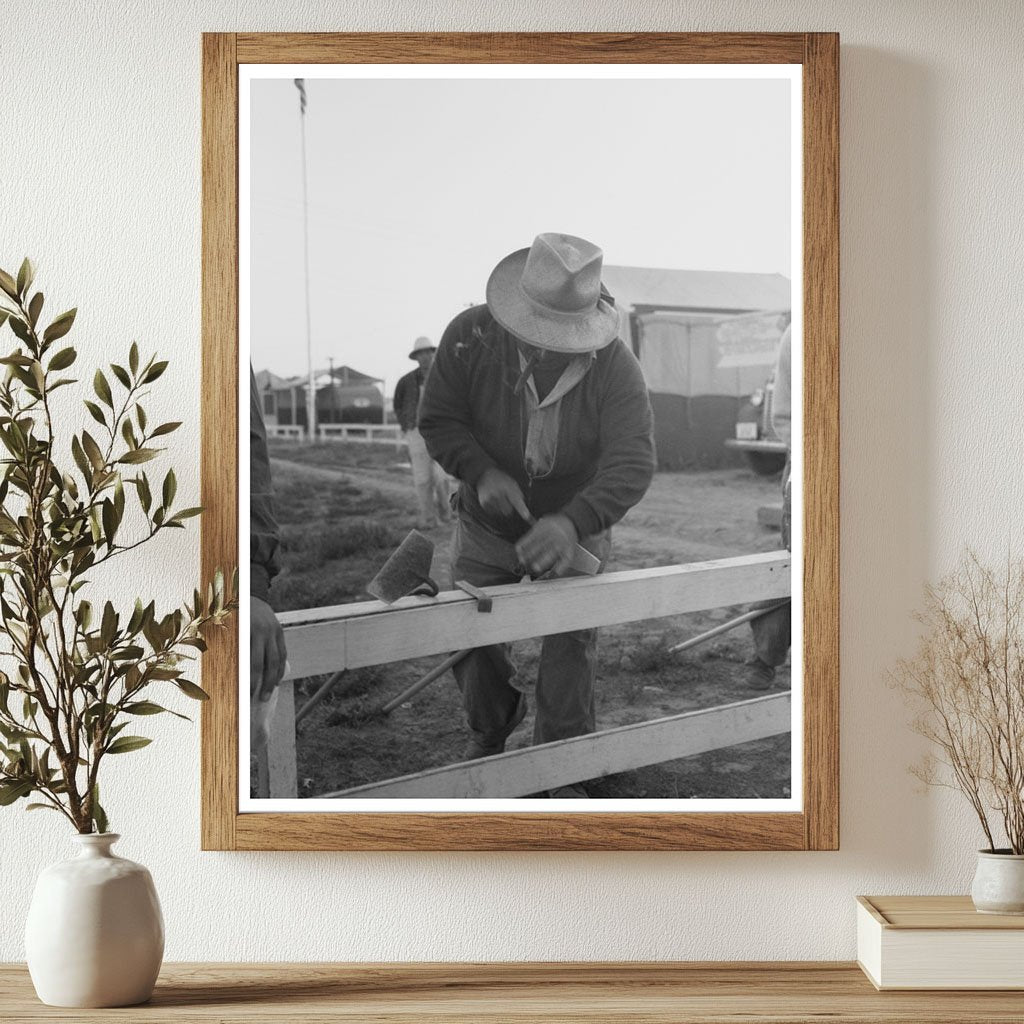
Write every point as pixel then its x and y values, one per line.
pixel 344 507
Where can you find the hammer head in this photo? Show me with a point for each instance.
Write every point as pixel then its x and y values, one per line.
pixel 407 569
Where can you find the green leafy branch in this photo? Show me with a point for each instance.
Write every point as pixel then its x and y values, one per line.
pixel 81 675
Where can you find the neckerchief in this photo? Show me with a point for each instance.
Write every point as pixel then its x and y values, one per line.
pixel 543 416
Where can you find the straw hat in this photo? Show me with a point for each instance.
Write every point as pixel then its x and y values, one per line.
pixel 550 295
pixel 422 345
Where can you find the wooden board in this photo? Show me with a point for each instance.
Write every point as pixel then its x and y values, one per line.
pixel 468 831
pixel 936 912
pixel 521 47
pixel 525 993
pixel 369 633
pixel 281 763
pixel 219 429
pixel 821 439
pixel 543 767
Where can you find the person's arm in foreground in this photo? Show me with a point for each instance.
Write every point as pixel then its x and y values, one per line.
pixel 266 638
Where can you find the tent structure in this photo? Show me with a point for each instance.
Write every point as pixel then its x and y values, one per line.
pixel 705 340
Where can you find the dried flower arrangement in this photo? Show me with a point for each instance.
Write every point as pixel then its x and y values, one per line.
pixel 967 682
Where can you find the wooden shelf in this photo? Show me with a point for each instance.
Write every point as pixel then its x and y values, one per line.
pixel 663 993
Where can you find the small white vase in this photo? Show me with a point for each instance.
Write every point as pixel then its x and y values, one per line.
pixel 95 934
pixel 999 883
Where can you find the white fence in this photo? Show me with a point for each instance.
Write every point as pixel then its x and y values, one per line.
pixel 363 433
pixel 289 432
pixel 328 640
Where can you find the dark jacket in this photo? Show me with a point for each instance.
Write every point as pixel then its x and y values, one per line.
pixel 407 398
pixel 472 421
pixel 263 531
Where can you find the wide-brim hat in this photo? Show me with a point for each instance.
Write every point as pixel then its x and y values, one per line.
pixel 422 345
pixel 550 295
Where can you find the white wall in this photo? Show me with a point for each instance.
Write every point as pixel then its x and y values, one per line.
pixel 99 181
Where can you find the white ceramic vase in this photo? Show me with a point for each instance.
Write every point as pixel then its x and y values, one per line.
pixel 999 883
pixel 95 934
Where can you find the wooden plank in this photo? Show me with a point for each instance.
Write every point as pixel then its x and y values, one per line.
pixel 262 758
pixel 821 440
pixel 936 912
pixel 866 903
pixel 219 430
pixel 773 561
pixel 527 993
pixel 370 633
pixel 547 765
pixel 282 772
pixel 520 47
pixel 524 831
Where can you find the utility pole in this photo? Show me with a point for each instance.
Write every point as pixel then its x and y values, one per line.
pixel 300 84
pixel 330 362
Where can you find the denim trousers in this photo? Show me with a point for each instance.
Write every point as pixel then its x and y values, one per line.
pixel 486 676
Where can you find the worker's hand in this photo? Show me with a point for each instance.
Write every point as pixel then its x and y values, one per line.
pixel 500 495
pixel 267 652
pixel 548 545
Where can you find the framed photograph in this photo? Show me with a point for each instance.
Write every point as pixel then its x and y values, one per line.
pixel 521 391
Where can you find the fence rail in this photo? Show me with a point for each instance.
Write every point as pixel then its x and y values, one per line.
pixel 549 765
pixel 362 433
pixel 285 430
pixel 324 640
pixel 349 636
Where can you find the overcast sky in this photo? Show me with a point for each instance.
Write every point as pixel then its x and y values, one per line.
pixel 418 187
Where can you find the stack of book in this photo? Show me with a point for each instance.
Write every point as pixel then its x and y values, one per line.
pixel 938 942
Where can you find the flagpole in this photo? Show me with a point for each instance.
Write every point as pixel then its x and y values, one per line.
pixel 300 84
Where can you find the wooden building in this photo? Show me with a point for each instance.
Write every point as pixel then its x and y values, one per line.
pixel 343 395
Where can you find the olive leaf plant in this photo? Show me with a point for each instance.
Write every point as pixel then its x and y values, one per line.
pixel 78 672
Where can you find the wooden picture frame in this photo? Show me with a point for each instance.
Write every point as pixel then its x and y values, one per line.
pixel 816 826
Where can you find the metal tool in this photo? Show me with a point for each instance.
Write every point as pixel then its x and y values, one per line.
pixel 435 673
pixel 582 561
pixel 484 602
pixel 724 627
pixel 406 572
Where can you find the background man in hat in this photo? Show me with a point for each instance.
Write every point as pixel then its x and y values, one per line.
pixel 428 477
pixel 542 414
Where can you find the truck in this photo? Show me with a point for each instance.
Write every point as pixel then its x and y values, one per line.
pixel 764 450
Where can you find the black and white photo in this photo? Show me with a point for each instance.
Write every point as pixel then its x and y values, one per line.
pixel 521 453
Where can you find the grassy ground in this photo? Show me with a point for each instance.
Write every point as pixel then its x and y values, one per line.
pixel 345 507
